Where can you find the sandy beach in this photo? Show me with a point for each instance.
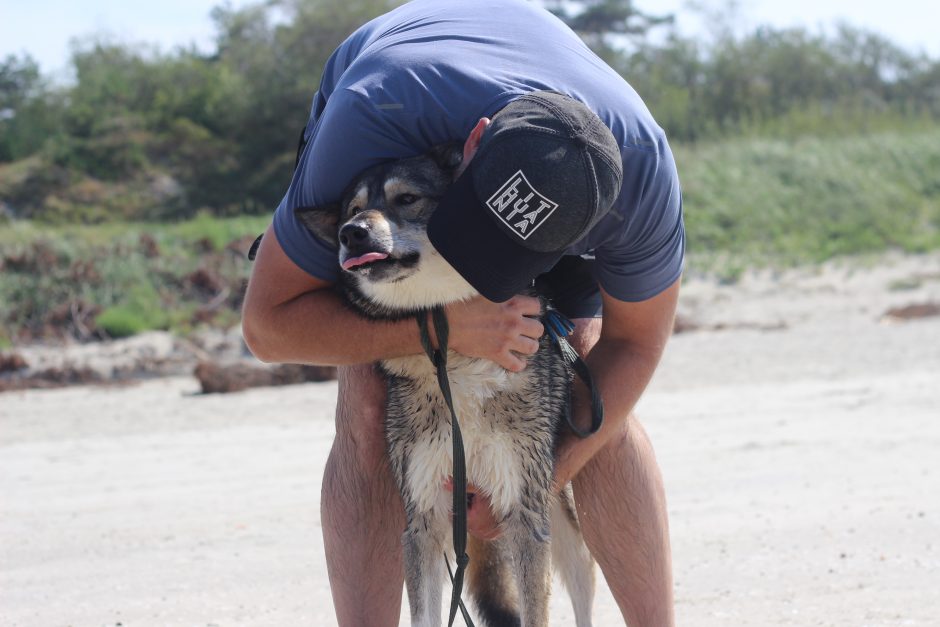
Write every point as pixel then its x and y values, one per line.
pixel 797 426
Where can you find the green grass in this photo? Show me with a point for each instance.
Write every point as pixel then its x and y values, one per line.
pixel 218 231
pixel 807 200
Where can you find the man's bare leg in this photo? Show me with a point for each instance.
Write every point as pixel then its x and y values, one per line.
pixel 360 507
pixel 622 508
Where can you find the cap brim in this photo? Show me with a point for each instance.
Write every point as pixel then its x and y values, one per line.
pixel 463 232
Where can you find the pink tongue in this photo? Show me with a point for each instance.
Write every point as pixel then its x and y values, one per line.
pixel 361 261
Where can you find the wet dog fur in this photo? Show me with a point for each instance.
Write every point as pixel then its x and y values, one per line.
pixel 510 421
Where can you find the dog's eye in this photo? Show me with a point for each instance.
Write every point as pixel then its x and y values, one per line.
pixel 406 199
pixel 354 210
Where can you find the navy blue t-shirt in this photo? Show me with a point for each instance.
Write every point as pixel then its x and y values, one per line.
pixel 425 73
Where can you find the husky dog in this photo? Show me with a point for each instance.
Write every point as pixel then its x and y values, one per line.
pixel 510 420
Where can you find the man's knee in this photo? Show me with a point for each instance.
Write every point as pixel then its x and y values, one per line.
pixel 618 457
pixel 586 334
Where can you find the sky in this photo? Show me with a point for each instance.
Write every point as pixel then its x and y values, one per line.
pixel 44 28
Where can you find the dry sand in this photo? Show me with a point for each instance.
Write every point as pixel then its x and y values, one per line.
pixel 798 433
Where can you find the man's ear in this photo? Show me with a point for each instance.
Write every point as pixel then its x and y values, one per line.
pixel 321 221
pixel 447 156
pixel 473 140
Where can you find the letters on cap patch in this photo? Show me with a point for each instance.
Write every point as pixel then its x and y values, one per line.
pixel 520 206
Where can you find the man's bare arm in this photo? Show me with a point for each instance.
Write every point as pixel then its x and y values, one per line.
pixel 633 337
pixel 292 317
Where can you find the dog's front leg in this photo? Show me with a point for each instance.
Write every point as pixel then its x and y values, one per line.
pixel 424 570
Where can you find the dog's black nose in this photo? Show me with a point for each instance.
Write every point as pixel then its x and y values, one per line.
pixel 352 234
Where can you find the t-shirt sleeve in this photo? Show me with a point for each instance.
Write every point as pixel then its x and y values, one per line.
pixel 647 255
pixel 308 252
pixel 345 138
pixel 340 126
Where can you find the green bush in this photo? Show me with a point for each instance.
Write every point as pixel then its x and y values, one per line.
pixel 122 322
pixel 116 278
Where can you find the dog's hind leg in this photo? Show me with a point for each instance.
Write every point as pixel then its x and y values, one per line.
pixel 571 558
pixel 528 543
pixel 424 570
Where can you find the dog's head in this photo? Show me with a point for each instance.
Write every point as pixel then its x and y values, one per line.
pixel 379 227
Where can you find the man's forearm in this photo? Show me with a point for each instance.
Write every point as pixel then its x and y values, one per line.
pixel 621 373
pixel 318 328
pixel 290 316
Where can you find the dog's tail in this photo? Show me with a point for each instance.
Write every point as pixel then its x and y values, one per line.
pixel 491 584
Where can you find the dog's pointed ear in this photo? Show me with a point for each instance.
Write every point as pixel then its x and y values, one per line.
pixel 321 221
pixel 448 156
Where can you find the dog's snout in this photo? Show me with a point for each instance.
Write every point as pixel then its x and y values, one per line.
pixel 352 234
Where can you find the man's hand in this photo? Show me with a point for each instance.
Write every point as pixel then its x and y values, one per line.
pixel 480 520
pixel 505 333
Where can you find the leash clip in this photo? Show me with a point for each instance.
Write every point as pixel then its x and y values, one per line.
pixel 557 325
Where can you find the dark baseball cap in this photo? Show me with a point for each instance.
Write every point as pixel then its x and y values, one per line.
pixel 547 169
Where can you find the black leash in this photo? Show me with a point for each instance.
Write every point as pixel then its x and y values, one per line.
pixel 439 359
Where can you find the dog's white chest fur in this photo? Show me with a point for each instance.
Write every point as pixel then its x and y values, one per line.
pixel 491 451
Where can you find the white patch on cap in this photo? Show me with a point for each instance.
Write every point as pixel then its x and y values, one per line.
pixel 520 206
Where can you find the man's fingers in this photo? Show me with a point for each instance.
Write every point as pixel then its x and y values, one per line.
pixel 515 358
pixel 532 328
pixel 526 346
pixel 505 333
pixel 525 305
pixel 512 362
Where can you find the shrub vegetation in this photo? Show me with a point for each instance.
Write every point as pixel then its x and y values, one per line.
pixel 129 194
